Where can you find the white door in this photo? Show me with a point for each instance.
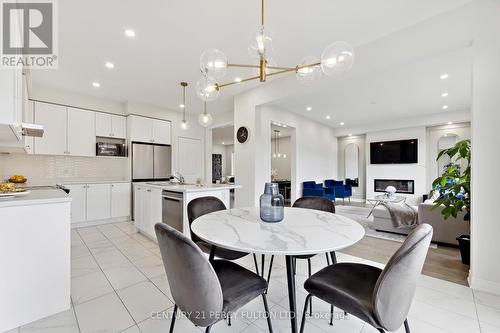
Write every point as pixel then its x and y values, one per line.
pixel 103 124
pixel 54 120
pixel 78 194
pixel 161 132
pixel 119 127
pixel 120 199
pixel 142 129
pixel 98 202
pixel 81 132
pixel 190 159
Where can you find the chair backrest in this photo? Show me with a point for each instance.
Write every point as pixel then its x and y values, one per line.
pixel 396 285
pixel 309 184
pixel 338 182
pixel 193 282
pixel 317 203
pixel 329 182
pixel 201 206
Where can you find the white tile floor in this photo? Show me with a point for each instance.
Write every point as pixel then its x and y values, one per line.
pixel 118 281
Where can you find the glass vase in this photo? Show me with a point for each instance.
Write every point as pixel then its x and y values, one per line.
pixel 272 204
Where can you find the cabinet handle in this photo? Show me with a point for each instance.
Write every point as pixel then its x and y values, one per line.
pixel 149 190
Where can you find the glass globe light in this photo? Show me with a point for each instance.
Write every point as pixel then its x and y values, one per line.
pixel 284 155
pixel 337 58
pixel 261 43
pixel 205 119
pixel 184 124
pixel 213 63
pixel 274 155
pixel 307 75
pixel 206 89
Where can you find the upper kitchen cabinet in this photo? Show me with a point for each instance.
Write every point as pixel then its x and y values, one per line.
pixel 54 120
pixel 67 131
pixel 109 125
pixel 143 129
pixel 81 132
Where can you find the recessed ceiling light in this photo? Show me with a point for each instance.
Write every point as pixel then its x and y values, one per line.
pixel 445 107
pixel 450 123
pixel 444 76
pixel 182 106
pixel 342 123
pixel 109 65
pixel 130 33
pixel 444 94
pixel 222 142
pixel 349 134
pixel 96 84
pixel 237 79
pixel 284 126
pixel 328 117
pixel 309 108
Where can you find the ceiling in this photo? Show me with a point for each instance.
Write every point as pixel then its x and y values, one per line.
pixel 223 135
pixel 408 90
pixel 171 35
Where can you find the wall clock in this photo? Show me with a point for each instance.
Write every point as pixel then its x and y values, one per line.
pixel 242 134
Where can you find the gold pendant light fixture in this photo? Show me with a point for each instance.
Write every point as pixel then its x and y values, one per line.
pixel 277 153
pixel 184 124
pixel 205 119
pixel 336 58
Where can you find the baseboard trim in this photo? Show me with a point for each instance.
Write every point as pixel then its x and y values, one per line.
pixel 484 285
pixel 99 222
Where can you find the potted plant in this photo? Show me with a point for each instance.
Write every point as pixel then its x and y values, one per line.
pixel 453 189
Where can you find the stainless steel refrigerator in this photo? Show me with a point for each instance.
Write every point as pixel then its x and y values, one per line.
pixel 151 162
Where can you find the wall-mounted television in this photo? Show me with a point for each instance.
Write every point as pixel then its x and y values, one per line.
pixel 394 152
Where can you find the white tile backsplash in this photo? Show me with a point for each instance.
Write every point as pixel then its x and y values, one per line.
pixel 48 169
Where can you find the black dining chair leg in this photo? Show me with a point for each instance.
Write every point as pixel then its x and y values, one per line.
pixel 309 272
pixel 269 272
pixel 268 315
pixel 331 315
pixel 229 320
pixel 207 330
pixel 172 323
pixel 263 261
pixel 334 257
pixel 256 265
pixel 327 259
pixel 212 253
pixel 303 322
pixel 407 327
pixel 294 266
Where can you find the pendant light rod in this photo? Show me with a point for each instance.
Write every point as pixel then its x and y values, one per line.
pixel 184 85
pixel 258 66
pixel 262 13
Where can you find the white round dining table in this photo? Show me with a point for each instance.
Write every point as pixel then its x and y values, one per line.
pixel 302 231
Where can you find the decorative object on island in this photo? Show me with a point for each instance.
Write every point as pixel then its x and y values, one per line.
pixel 184 124
pixel 242 134
pixel 336 58
pixel 277 153
pixel 18 179
pixel 272 204
pixel 390 191
pixel 453 189
pixel 205 119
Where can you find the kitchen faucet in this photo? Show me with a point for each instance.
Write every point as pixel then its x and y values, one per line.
pixel 180 178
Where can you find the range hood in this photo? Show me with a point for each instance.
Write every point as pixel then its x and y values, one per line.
pixel 32 130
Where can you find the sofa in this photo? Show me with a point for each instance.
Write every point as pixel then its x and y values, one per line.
pixel 445 231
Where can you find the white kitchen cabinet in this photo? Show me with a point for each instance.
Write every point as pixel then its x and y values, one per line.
pixel 28 117
pixel 81 132
pixel 138 208
pixel 155 215
pixel 119 126
pixel 78 194
pixel 143 129
pixel 120 200
pixel 147 209
pixel 98 202
pixel 54 120
pixel 161 132
pixel 109 125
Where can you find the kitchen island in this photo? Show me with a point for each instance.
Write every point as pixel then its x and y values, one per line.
pixel 167 202
pixel 35 256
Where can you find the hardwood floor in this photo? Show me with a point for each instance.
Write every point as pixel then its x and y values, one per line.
pixel 442 262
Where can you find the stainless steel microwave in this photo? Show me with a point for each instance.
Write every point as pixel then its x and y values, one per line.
pixel 111 149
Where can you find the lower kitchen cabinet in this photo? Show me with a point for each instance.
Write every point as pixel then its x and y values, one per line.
pixel 120 199
pixel 147 209
pixel 99 202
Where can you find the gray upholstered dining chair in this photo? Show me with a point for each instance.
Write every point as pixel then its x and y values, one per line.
pixel 381 298
pixel 206 292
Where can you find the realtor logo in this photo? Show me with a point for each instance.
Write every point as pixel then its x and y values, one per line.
pixel 28 33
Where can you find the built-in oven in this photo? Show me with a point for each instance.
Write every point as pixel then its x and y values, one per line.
pixel 111 149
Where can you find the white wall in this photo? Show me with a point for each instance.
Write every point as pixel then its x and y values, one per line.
pixel 485 266
pixel 416 172
pixel 282 165
pixel 360 191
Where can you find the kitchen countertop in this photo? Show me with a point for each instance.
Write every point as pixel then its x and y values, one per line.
pixel 190 188
pixel 35 197
pixel 71 182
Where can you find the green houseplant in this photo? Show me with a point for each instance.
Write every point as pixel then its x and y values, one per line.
pixel 453 189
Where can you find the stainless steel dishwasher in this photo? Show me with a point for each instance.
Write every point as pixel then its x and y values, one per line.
pixel 172 209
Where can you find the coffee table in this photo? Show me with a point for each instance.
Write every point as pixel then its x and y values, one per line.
pixel 378 199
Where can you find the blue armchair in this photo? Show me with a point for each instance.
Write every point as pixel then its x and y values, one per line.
pixel 339 189
pixel 312 189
